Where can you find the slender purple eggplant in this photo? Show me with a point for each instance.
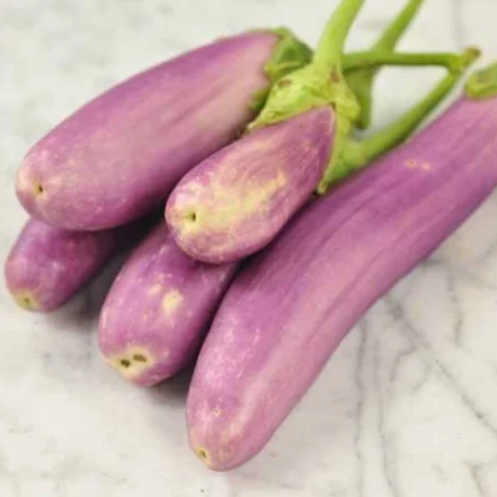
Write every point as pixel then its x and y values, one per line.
pixel 120 155
pixel 47 265
pixel 235 202
pixel 289 308
pixel 158 309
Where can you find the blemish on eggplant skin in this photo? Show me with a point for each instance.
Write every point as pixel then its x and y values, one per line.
pixel 284 83
pixel 415 164
pixel 171 301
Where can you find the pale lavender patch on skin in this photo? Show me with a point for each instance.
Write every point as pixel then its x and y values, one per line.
pixel 156 313
pixel 237 200
pixel 121 154
pixel 47 265
pixel 289 308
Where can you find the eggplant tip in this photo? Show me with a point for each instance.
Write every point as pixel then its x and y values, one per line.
pixel 132 364
pixel 38 189
pixel 171 301
pixel 203 455
pixel 26 300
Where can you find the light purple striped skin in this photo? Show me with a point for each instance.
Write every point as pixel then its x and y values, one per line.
pixel 236 201
pixel 47 265
pixel 120 155
pixel 158 309
pixel 288 310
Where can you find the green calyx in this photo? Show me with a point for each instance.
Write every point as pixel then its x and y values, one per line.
pixel 288 55
pixel 320 83
pixel 305 89
pixel 482 84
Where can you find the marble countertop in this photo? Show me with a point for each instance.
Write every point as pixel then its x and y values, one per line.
pixel 406 408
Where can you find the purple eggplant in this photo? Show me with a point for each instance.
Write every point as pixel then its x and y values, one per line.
pixel 267 183
pixel 218 214
pixel 120 155
pixel 289 308
pixel 235 202
pixel 158 309
pixel 48 265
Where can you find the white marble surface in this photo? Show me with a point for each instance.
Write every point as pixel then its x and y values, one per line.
pixel 406 408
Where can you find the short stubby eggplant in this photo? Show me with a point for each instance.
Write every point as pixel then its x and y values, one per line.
pixel 236 201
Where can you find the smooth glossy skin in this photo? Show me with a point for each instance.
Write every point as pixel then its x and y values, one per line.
pixel 237 200
pixel 288 310
pixel 121 154
pixel 158 309
pixel 47 265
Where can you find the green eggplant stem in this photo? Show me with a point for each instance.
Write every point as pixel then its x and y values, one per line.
pixel 330 48
pixel 359 61
pixel 361 83
pixel 388 40
pixel 356 154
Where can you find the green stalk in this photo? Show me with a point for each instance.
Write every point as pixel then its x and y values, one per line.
pixel 388 40
pixel 362 61
pixel 330 47
pixel 358 154
pixel 361 83
pixel 327 61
